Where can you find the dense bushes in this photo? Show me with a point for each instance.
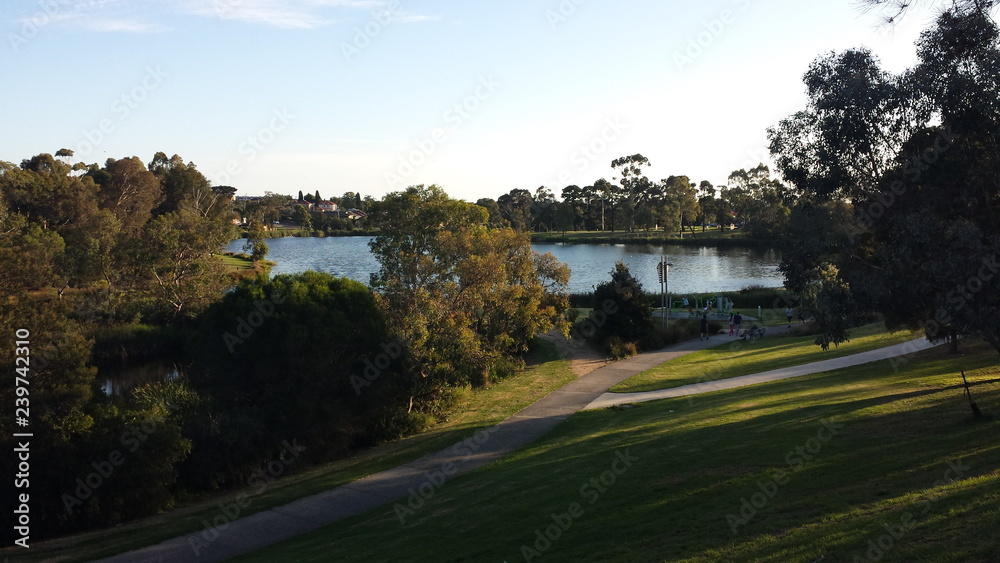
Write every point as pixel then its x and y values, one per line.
pixel 304 357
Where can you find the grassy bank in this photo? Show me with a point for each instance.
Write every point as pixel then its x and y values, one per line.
pixel 734 357
pixel 241 266
pixel 292 232
pixel 708 238
pixel 772 300
pixel 473 410
pixel 818 467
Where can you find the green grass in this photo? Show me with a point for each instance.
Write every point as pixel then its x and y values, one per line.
pixel 736 357
pixel 693 462
pixel 474 410
pixel 234 262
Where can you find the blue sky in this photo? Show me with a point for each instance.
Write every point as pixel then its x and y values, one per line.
pixel 371 95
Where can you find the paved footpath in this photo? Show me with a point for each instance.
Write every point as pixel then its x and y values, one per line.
pixel 430 472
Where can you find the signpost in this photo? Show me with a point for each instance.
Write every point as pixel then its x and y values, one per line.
pixel 662 273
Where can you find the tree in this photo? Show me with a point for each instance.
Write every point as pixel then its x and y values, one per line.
pixel 578 200
pixel 629 314
pixel 543 210
pixel 761 203
pixel 925 232
pixel 853 127
pixel 300 196
pixel 341 374
pixel 679 204
pixel 516 207
pixel 565 217
pixel 634 187
pixel 269 207
pixel 495 216
pixel 605 192
pixel 255 244
pixel 468 299
pixel 707 204
pixel 177 252
pixel 130 192
pixel 301 217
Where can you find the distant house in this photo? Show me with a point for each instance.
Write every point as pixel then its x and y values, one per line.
pixel 240 198
pixel 327 206
pixel 303 203
pixel 355 215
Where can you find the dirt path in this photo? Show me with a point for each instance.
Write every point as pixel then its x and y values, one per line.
pixel 583 357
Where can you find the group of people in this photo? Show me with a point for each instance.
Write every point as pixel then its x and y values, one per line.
pixel 736 319
pixel 725 305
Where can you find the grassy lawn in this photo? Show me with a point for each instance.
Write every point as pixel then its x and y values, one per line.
pixel 234 262
pixel 474 410
pixel 734 357
pixel 829 466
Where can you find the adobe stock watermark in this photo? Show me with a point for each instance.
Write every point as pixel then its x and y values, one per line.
pixel 796 460
pixel 254 145
pixel 224 8
pixel 375 367
pixel 562 12
pixel 48 12
pixel 366 34
pixel 711 30
pixel 914 168
pixel 245 326
pixel 587 153
pixel 436 478
pixel 895 530
pixel 579 333
pixel 590 492
pixel 455 116
pixel 957 299
pixel 121 108
pixel 231 511
pixel 132 438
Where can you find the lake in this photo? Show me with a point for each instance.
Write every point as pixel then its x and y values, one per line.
pixel 694 270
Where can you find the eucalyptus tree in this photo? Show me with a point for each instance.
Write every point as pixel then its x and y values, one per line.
pixel 915 155
pixel 466 298
pixel 633 186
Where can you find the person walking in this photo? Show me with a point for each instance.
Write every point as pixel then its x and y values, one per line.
pixel 737 319
pixel 788 315
pixel 731 325
pixel 704 327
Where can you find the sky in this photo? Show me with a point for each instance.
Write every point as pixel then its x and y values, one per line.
pixel 372 96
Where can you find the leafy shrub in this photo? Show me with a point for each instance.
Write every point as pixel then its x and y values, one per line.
pixel 618 349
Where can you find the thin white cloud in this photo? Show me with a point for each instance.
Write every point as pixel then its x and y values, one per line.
pixel 91 15
pixel 119 26
pixel 294 14
pixel 406 17
pixel 145 16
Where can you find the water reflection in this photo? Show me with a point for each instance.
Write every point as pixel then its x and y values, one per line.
pixel 119 380
pixel 695 269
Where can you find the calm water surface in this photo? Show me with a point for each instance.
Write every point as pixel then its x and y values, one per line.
pixel 694 270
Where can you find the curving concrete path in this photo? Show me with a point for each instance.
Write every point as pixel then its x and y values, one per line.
pixel 888 352
pixel 407 486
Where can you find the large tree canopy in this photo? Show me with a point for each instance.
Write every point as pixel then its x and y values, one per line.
pixel 916 156
pixel 467 298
